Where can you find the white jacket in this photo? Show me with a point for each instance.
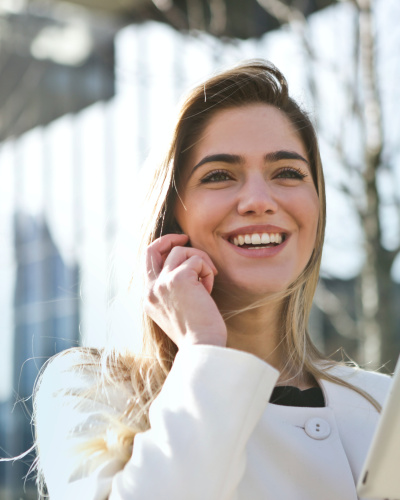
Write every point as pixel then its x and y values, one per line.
pixel 213 435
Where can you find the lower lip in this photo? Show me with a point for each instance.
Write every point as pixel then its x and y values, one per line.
pixel 260 252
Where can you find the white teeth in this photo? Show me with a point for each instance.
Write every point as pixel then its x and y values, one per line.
pixel 257 239
pixel 265 238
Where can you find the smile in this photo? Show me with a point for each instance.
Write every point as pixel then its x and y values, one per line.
pixel 257 240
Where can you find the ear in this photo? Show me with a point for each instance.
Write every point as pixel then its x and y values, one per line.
pixel 172 228
pixel 176 228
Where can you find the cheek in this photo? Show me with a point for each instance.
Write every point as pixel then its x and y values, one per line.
pixel 306 205
pixel 309 220
pixel 313 209
pixel 200 215
pixel 193 219
pixel 304 209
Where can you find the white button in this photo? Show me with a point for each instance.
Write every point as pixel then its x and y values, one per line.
pixel 317 428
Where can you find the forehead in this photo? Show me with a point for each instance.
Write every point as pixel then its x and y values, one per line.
pixel 251 130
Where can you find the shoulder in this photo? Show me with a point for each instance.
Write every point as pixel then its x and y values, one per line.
pixel 374 383
pixel 79 362
pixel 68 373
pixel 79 411
pixel 74 380
pixel 364 379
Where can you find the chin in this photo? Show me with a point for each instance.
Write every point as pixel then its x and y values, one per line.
pixel 250 291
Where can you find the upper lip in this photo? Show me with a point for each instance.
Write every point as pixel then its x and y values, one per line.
pixel 256 229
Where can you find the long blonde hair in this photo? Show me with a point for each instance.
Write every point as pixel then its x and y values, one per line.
pixel 249 83
pixel 253 82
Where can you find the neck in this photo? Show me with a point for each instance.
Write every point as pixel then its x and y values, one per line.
pixel 258 331
pixel 254 328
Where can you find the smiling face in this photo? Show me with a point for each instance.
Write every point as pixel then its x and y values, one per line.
pixel 249 201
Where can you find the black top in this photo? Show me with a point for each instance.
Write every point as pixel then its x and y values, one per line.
pixel 292 396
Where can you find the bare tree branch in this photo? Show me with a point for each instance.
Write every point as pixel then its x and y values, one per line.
pixel 376 329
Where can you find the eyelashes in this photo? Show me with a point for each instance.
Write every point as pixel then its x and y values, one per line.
pixel 217 176
pixel 291 173
pixel 221 175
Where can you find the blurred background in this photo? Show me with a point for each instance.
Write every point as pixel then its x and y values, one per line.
pixel 88 89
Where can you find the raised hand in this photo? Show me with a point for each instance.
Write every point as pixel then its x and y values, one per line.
pixel 179 282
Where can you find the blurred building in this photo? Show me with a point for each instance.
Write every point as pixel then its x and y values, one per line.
pixel 46 321
pixel 53 61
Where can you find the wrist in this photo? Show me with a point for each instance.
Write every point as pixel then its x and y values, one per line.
pixel 213 338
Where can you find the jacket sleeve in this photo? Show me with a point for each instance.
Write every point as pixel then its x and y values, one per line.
pixel 196 445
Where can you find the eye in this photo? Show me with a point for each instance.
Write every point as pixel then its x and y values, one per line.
pixel 291 173
pixel 216 176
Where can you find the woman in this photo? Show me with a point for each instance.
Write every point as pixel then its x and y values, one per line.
pixel 229 399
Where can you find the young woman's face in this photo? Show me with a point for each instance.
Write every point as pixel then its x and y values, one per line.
pixel 249 201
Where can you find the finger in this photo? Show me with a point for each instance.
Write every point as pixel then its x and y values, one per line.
pixel 206 278
pixel 179 255
pixel 202 272
pixel 157 252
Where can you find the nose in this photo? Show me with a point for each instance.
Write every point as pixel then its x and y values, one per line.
pixel 256 197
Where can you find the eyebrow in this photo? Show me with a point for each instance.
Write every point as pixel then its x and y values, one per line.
pixel 284 155
pixel 235 159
